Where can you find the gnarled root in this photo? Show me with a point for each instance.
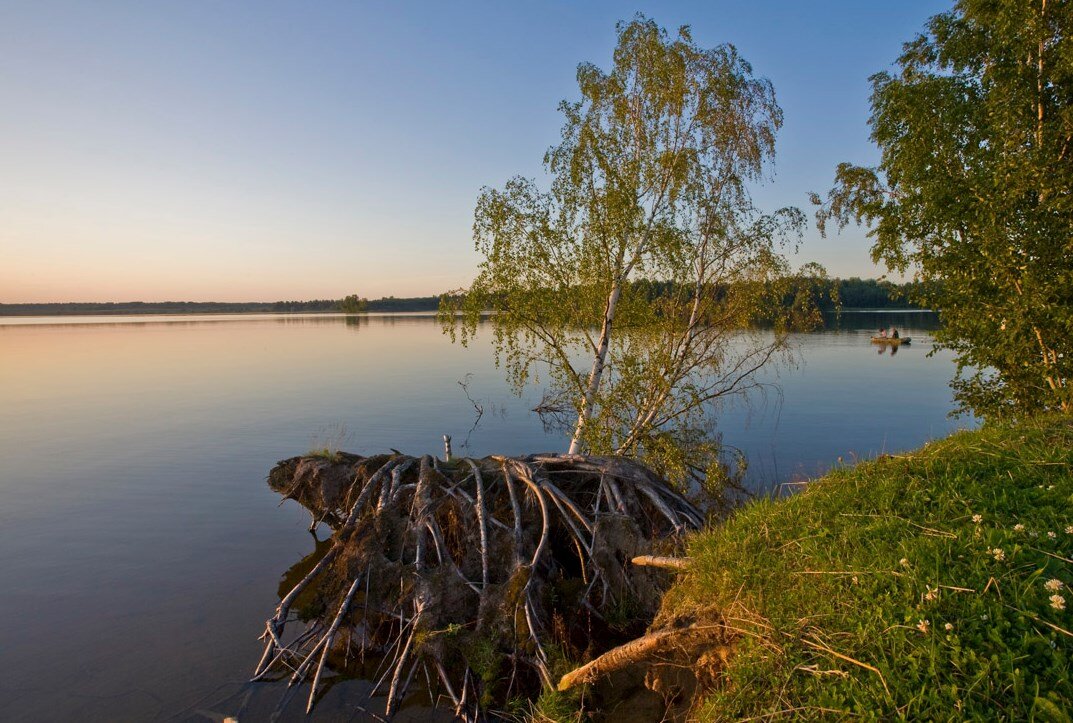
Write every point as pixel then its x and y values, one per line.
pixel 471 571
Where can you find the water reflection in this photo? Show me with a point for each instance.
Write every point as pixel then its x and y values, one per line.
pixel 140 549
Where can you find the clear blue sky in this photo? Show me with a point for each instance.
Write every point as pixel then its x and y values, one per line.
pixel 287 150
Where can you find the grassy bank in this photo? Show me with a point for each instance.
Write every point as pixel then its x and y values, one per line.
pixel 930 585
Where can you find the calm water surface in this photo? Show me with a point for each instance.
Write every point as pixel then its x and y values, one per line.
pixel 141 550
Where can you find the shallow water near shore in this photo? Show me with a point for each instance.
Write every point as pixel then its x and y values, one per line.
pixel 141 550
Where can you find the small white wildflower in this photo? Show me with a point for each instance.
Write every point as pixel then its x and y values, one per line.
pixel 924 625
pixel 977 518
pixel 1069 529
pixel 855 580
pixel 984 616
pixel 999 554
pixel 1050 487
pixel 948 626
pixel 1053 585
pixel 931 594
pixel 1052 535
pixel 903 562
pixel 1018 527
pixel 1057 602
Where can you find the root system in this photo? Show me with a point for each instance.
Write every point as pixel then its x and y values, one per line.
pixel 477 578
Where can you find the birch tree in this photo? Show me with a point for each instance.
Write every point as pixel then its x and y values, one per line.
pixel 634 282
pixel 974 195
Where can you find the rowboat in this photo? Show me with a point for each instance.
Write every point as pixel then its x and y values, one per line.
pixel 893 342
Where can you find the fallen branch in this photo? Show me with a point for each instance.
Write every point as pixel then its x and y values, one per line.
pixel 669 563
pixel 644 648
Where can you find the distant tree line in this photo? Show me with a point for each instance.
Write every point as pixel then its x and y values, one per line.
pixel 416 303
pixel 352 304
pixel 854 293
pixel 167 307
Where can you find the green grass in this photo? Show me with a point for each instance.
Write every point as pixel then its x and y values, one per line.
pixel 874 591
pixel 326 453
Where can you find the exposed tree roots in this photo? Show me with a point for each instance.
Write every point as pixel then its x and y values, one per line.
pixel 482 575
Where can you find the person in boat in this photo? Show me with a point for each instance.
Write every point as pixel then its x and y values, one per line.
pixel 893 333
pixel 883 332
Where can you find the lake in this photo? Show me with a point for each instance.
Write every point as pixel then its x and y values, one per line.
pixel 141 550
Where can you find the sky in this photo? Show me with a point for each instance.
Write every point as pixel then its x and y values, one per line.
pixel 260 150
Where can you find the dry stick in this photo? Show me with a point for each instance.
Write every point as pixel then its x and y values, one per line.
pixel 329 639
pixel 409 679
pixel 274 625
pixel 840 656
pixel 578 537
pixel 545 523
pixel 465 690
pixel 444 557
pixel 387 491
pixel 421 515
pixel 530 615
pixel 1050 554
pixel 300 671
pixel 617 494
pixel 670 563
pixel 927 530
pixel 453 491
pixel 482 522
pixel 446 682
pixel 661 506
pixel 560 499
pixel 428 680
pixel 290 649
pixel 393 690
pixel 635 650
pixel 421 510
pixel 685 506
pixel 515 510
pixel 385 664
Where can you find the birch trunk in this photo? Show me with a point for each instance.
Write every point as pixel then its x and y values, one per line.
pixel 599 363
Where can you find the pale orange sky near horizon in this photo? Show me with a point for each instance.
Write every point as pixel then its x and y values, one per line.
pixel 270 151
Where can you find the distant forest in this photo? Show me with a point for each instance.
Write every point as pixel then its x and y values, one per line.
pixel 854 293
pixel 419 303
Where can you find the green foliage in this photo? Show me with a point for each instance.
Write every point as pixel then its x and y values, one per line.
pixel 914 587
pixel 975 190
pixel 353 304
pixel 634 281
pixel 326 453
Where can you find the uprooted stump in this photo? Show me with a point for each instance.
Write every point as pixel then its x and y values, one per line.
pixel 478 573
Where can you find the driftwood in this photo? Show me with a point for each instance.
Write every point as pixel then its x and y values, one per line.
pixel 669 563
pixel 659 643
pixel 478 573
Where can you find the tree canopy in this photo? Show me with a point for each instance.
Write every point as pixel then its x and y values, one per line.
pixel 975 193
pixel 649 182
pixel 353 304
